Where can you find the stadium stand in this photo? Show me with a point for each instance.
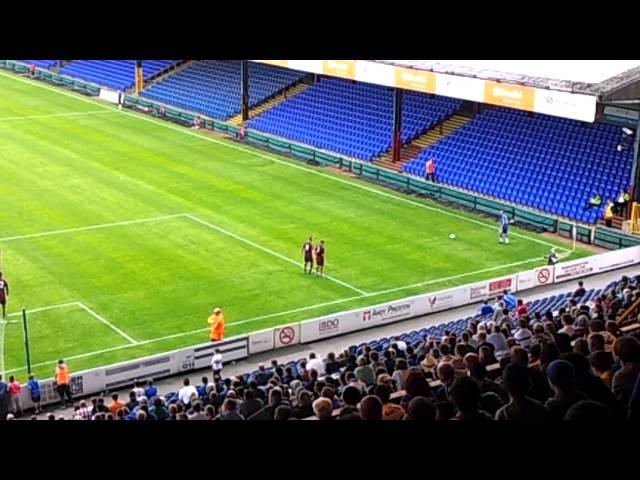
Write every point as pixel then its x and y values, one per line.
pixel 445 372
pixel 117 74
pixel 41 63
pixel 532 159
pixel 353 119
pixel 212 87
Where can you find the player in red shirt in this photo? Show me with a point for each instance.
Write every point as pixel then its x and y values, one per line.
pixel 320 253
pixel 307 251
pixel 4 293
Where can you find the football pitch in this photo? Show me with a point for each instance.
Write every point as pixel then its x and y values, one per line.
pixel 121 232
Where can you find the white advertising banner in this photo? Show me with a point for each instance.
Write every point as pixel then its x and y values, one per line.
pixel 491 288
pixel 261 341
pixel 109 95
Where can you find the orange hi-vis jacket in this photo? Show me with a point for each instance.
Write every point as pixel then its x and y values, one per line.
pixel 217 326
pixel 62 375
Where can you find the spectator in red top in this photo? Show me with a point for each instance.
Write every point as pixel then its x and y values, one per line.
pixel 431 170
pixel 32 70
pixel 522 309
pixel 14 389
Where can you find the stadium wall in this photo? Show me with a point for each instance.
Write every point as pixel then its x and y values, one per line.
pixel 114 377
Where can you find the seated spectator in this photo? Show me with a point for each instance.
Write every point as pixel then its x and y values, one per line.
pixel 260 377
pixel 400 373
pixel 485 309
pixel 602 365
pixel 185 394
pixel 486 356
pixel 465 395
pixel 521 308
pixel 415 386
pixel 197 412
pixel 316 364
pixel 447 375
pixel 251 404
pixel 202 388
pixel 229 410
pixel 523 335
pixel 422 409
pixel 151 391
pixel 332 366
pixel 364 372
pixel 478 372
pixel 371 408
pixel 390 411
pixel 304 406
pixel 498 340
pixel 116 404
pixel 137 388
pixel 133 401
pixel 627 352
pixel 589 411
pixel 159 410
pixel 283 412
pixel 567 322
pixel 267 412
pixel 580 291
pixel 581 346
pixel 412 358
pixel 323 409
pixel 351 397
pixel 592 386
pixel 388 361
pixel 561 375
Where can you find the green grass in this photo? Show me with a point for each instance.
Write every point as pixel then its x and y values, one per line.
pixel 239 248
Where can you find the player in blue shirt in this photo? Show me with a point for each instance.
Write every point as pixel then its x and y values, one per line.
pixel 504 227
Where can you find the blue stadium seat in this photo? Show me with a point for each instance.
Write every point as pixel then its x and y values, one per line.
pixel 536 160
pixel 212 87
pixel 117 74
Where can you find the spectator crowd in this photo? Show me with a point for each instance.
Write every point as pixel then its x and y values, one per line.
pixel 573 364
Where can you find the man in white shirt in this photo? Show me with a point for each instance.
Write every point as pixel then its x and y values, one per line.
pixel 567 322
pixel 402 345
pixel 523 334
pixel 316 364
pixel 216 363
pixel 138 390
pixel 186 392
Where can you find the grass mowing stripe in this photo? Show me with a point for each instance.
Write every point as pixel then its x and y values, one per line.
pixel 90 227
pixel 56 115
pixel 230 145
pixel 267 250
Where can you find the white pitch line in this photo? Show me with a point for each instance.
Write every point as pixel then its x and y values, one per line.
pixel 42 309
pixel 107 323
pixel 455 277
pixel 257 153
pixel 267 250
pixel 89 227
pixel 54 115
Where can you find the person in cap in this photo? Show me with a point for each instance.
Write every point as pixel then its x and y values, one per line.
pixel 216 323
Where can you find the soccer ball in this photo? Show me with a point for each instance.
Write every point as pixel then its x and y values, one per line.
pixel 452 236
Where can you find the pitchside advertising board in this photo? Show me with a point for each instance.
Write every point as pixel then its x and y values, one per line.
pixel 236 348
pixel 122 375
pixel 596 264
